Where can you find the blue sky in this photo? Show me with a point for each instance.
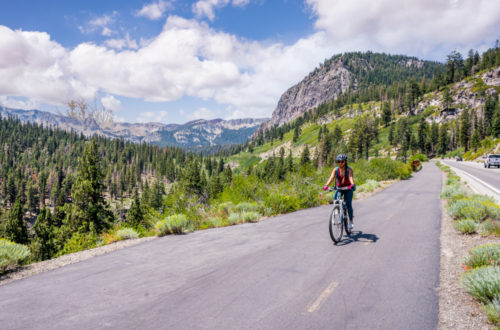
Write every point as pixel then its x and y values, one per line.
pixel 174 61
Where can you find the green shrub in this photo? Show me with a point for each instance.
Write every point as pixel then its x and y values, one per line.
pixel 174 224
pixel 79 242
pixel 126 233
pixel 483 255
pixel 452 179
pixel 369 186
pixel 250 216
pixel 234 219
pixel 476 207
pixel 493 310
pixel 483 283
pixel 420 157
pixel 465 226
pixel 11 254
pixel 281 203
pixel 489 227
pixel 453 190
pixel 246 207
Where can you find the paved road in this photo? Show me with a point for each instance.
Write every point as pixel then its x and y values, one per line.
pixel 488 175
pixel 281 273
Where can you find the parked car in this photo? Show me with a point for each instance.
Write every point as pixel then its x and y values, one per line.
pixel 492 160
pixel 459 159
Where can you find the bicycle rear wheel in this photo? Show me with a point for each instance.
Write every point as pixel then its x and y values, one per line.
pixel 335 224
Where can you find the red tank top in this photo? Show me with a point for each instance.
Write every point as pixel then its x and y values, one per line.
pixel 343 180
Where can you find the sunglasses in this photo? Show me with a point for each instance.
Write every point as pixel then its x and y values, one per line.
pixel 341 161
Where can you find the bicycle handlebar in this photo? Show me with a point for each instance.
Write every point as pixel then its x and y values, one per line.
pixel 338 188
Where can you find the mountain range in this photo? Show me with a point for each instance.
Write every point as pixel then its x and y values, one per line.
pixel 197 133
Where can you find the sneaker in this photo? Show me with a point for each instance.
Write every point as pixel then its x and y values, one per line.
pixel 351 225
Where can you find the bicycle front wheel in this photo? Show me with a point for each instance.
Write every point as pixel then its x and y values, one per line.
pixel 335 224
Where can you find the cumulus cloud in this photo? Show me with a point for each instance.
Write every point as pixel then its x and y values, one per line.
pixel 152 116
pixel 17 103
pixel 189 58
pixel 155 10
pixel 126 42
pixel 34 66
pixel 205 8
pixel 419 28
pixel 112 103
pixel 101 23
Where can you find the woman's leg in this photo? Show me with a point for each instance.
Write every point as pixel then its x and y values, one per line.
pixel 348 201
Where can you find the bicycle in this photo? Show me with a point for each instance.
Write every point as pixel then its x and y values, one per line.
pixel 339 218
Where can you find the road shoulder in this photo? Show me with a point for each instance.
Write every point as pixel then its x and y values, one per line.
pixel 457 309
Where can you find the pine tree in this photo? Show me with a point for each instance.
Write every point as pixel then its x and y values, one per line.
pixel 91 211
pixel 296 133
pixel 135 215
pixel 464 134
pixel 15 228
pixel 305 157
pixel 475 141
pixel 44 245
pixel 386 114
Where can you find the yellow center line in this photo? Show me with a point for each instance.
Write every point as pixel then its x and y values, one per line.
pixel 314 306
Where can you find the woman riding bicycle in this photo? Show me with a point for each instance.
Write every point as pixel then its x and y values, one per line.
pixel 344 178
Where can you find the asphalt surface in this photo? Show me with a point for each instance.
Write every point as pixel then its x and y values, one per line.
pixel 280 273
pixel 489 175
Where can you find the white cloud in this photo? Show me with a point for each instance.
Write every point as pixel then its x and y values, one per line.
pixel 155 10
pixel 17 103
pixel 122 43
pixel 206 7
pixel 112 103
pixel 101 23
pixel 34 66
pixel 152 116
pixel 422 28
pixel 188 58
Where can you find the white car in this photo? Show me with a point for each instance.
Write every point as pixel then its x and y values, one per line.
pixel 492 160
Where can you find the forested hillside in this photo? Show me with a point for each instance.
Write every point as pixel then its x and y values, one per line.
pixel 388 114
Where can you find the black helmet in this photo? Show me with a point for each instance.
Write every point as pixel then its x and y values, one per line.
pixel 341 157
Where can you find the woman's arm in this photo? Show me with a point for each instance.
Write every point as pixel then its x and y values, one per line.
pixel 351 177
pixel 332 177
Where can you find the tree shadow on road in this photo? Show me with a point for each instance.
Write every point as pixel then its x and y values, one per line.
pixel 358 237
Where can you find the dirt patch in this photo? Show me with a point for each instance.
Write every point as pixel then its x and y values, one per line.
pixel 457 308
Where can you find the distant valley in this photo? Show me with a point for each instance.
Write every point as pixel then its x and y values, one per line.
pixel 197 133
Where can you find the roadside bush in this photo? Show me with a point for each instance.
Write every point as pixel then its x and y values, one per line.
pixel 80 242
pixel 281 203
pixel 453 190
pixel 174 224
pixel 420 157
pixel 493 310
pixel 11 254
pixel 476 207
pixel 489 227
pixel 368 186
pixel 465 226
pixel 452 179
pixel 246 207
pixel 250 216
pixel 126 233
pixel 483 255
pixel 483 283
pixel 234 219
